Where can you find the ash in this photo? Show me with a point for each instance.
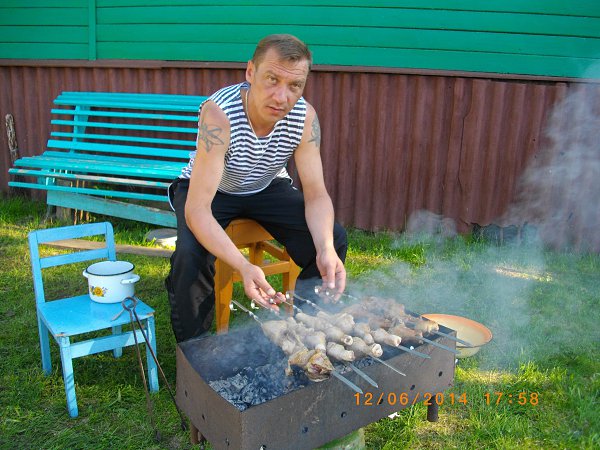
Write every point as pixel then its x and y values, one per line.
pixel 255 385
pixel 243 366
pixel 252 386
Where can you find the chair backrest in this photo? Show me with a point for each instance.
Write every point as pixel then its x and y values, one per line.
pixel 70 232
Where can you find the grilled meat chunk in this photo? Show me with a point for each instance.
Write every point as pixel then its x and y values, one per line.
pixel 315 364
pixel 383 337
pixel 361 348
pixel 338 352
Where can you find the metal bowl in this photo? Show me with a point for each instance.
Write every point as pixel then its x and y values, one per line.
pixel 466 329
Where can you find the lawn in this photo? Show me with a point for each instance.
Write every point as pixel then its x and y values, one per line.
pixel 542 307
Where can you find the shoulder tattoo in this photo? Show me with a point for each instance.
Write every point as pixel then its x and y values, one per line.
pixel 315 132
pixel 209 134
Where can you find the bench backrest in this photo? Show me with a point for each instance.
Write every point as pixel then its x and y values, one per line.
pixel 108 152
pixel 144 126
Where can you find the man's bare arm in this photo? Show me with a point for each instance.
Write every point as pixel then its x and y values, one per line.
pixel 315 132
pixel 318 206
pixel 209 164
pixel 209 135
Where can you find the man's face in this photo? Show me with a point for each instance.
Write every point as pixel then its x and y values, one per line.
pixel 276 86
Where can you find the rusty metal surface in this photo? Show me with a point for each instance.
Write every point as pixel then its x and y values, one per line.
pixel 393 144
pixel 307 417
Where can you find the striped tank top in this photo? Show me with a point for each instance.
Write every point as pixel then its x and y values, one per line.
pixel 252 162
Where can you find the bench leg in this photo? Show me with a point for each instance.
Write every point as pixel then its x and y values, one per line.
pixel 50 213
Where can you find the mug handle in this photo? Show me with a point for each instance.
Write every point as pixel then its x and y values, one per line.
pixel 85 273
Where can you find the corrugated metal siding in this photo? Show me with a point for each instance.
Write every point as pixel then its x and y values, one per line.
pixel 396 144
pixel 393 144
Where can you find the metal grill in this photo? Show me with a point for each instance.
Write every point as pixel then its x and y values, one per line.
pixel 310 414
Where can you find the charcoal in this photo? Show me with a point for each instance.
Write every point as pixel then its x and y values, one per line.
pixel 239 405
pixel 364 362
pixel 255 385
pixel 238 381
pixel 249 394
pixel 221 385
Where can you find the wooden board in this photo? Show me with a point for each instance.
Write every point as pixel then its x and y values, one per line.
pixel 127 249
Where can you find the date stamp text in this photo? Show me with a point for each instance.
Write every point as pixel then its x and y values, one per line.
pixel 446 398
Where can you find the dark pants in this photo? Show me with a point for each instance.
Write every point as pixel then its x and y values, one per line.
pixel 190 284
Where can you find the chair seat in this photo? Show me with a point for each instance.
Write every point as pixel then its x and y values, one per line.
pixel 76 315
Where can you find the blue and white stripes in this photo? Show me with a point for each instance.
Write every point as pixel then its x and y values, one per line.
pixel 252 162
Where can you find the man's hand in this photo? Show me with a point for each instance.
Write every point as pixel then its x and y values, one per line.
pixel 332 270
pixel 258 289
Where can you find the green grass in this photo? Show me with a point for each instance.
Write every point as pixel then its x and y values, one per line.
pixel 542 307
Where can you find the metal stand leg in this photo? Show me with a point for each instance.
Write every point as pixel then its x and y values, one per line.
pixel 195 436
pixel 432 412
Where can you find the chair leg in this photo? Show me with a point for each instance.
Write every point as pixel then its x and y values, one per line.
pixel 68 376
pixel 45 347
pixel 223 295
pixel 289 278
pixel 255 254
pixel 118 351
pixel 152 369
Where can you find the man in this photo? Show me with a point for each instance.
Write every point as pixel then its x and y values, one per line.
pixel 246 135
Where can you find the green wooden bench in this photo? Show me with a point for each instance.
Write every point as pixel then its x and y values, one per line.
pixel 114 153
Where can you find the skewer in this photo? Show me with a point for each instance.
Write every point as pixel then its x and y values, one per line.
pixel 311 303
pixel 339 376
pixel 453 338
pixel 328 293
pixel 439 333
pixel 246 310
pixel 414 352
pixel 412 326
pixel 347 382
pixel 292 305
pixel 363 375
pixel 389 365
pixel 333 372
pixel 422 355
pixel 401 347
pixel 442 346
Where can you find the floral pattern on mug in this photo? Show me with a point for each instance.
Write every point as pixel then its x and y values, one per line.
pixel 98 291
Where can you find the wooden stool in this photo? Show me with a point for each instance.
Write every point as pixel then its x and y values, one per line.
pixel 248 234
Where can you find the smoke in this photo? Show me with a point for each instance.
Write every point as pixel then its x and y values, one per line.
pixel 488 284
pixel 532 311
pixel 559 190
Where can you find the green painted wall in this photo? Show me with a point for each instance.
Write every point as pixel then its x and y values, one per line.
pixel 535 37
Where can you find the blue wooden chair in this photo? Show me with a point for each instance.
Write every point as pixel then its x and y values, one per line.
pixel 68 317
